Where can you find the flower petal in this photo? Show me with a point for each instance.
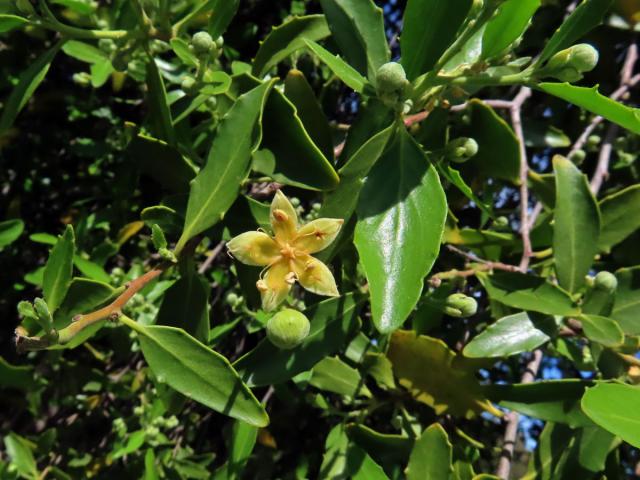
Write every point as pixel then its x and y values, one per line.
pixel 275 285
pixel 254 248
pixel 318 234
pixel 283 217
pixel 315 276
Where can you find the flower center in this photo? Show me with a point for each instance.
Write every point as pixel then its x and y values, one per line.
pixel 287 251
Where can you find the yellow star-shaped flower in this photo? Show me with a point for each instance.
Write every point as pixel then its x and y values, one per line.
pixel 287 255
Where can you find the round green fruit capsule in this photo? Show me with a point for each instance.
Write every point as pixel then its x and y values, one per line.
pixel 606 281
pixel 287 329
pixel 202 43
pixel 391 78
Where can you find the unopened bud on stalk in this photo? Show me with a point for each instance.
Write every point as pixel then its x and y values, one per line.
pixel 606 281
pixel 391 82
pixel 460 305
pixel 202 43
pixel 461 149
pixel 569 64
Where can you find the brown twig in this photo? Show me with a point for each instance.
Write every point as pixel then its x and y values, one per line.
pixel 516 121
pixel 80 322
pixel 602 168
pixel 511 431
pixel 210 258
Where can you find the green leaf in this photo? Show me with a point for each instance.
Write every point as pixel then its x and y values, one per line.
pixel 11 22
pixel 162 162
pixel 498 153
pixel 150 468
pixel 602 330
pixel 217 83
pixel 344 460
pixel 453 176
pixel 243 439
pixel 197 372
pixel 528 292
pixel 21 456
pixel 428 29
pixel 617 220
pixel 181 48
pixel 100 72
pixel 84 52
pixel 333 375
pixel 584 18
pixel 576 225
pixel 384 448
pixel 549 400
pixel 10 231
pixel 91 269
pixel 17 377
pixel 167 218
pixel 508 336
pixel 298 161
pixel 333 321
pixel 217 185
pixel 357 27
pixel 83 296
pixel 626 306
pixel 222 13
pixel 431 455
pixel 402 203
pixel 159 112
pixel 549 458
pixel 285 39
pixel 507 25
pixel 616 408
pixel 591 100
pixel 58 270
pixel 185 305
pixel 345 72
pixel 28 81
pixel 300 93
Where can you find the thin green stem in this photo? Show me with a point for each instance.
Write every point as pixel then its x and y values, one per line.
pixel 50 22
pixel 132 324
pixel 181 24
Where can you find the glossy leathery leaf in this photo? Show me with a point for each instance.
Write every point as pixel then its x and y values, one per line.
pixel 185 305
pixel 401 203
pixel 300 93
pixel 17 377
pixel 159 112
pixel 333 375
pixel 498 153
pixel 576 225
pixel 372 118
pixel 590 99
pixel 507 336
pixel 616 223
pixel 428 30
pixel 198 372
pixel 299 161
pixel 162 162
pixel 507 25
pixel 11 22
pixel 10 231
pixel 602 330
pixel 584 18
pixel 28 82
pixel 357 27
pixel 243 440
pixel 387 449
pixel 285 39
pixel 181 49
pixel 616 408
pixel 548 400
pixel 343 459
pixel 84 52
pixel 528 292
pixel 626 306
pixel 19 451
pixel 333 321
pixel 431 455
pixel 345 72
pixel 433 386
pixel 58 270
pixel 222 13
pixel 216 186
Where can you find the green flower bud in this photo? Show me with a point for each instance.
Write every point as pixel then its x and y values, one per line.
pixel 167 255
pixel 287 329
pixel 189 85
pixel 26 310
pixel 202 43
pixel 232 299
pixel 219 42
pixel 25 7
pixel 578 156
pixel 460 305
pixel 569 64
pixel 172 422
pixel 461 149
pixel 501 222
pixel 82 79
pixel 157 235
pixel 107 45
pixel 44 315
pixel 212 103
pixel 391 77
pixel 593 140
pixel 606 281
